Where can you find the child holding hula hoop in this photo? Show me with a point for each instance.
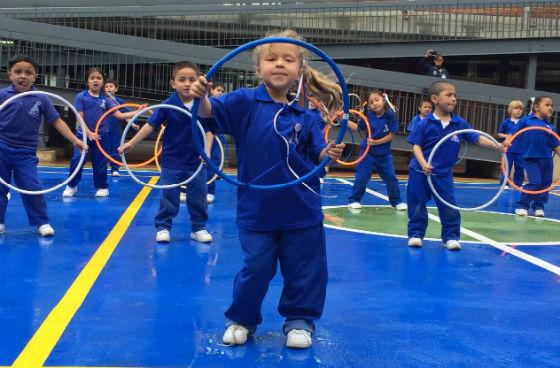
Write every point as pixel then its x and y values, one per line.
pixel 217 90
pixel 19 137
pixel 427 133
pixel 180 158
pixel 537 147
pixel 507 128
pixel 284 225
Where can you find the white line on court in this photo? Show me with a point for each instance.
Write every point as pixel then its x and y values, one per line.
pixel 505 248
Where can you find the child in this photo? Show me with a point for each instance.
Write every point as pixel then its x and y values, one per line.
pixel 91 104
pixel 507 128
pixel 536 148
pixel 424 108
pixel 180 159
pixel 383 125
pixel 428 132
pixel 19 136
pixel 283 225
pixel 216 91
pixel 114 131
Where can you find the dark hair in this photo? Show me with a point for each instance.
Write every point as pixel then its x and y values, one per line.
pixel 218 84
pixel 425 100
pixel 534 101
pixel 182 65
pixel 112 81
pixel 437 87
pixel 95 69
pixel 375 91
pixel 21 58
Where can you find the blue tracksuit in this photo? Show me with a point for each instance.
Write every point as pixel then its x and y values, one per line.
pixel 284 225
pixel 114 133
pixel 179 160
pixel 19 136
pixel 413 122
pixel 537 147
pixel 379 157
pixel 216 157
pixel 427 133
pixel 92 107
pixel 514 153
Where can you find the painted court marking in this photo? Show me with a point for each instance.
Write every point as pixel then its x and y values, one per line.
pixel 46 337
pixel 504 248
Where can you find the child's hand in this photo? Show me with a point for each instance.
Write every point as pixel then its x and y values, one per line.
pixel 92 136
pixel 126 148
pixel 427 169
pixel 135 126
pixel 371 142
pixel 334 151
pixel 200 88
pixel 80 145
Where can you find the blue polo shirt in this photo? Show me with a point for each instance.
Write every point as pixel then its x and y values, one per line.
pixel 380 127
pixel 114 124
pixel 509 126
pixel 412 125
pixel 21 119
pixel 179 151
pixel 429 131
pixel 248 115
pixel 93 107
pixel 536 143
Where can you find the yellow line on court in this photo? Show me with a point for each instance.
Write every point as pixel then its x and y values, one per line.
pixel 46 337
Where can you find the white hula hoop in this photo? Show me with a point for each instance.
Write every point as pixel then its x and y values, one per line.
pixel 222 159
pixel 434 191
pixel 84 139
pixel 163 186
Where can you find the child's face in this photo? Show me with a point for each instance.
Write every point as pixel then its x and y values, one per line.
pixel 95 82
pixel 446 100
pixel 516 112
pixel 218 91
pixel 376 103
pixel 545 108
pixel 279 66
pixel 182 82
pixel 110 88
pixel 22 75
pixel 425 109
pixel 438 61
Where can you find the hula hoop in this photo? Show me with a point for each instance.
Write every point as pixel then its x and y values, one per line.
pixel 363 155
pixel 504 166
pixel 104 153
pixel 163 186
pixel 84 140
pixel 434 191
pixel 250 45
pixel 158 139
pixel 358 98
pixel 463 155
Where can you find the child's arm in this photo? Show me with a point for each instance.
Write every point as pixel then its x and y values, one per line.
pixel 426 167
pixel 128 115
pixel 210 139
pixel 375 142
pixel 485 142
pixel 61 126
pixel 199 89
pixel 91 135
pixel 557 150
pixel 334 151
pixel 146 130
pixel 353 126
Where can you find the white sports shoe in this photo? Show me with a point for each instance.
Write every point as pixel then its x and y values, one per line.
pixel 102 192
pixel 45 230
pixel 2 228
pixel 235 335
pixel 202 236
pixel 69 191
pixel 401 206
pixel 163 236
pixel 182 197
pixel 9 195
pixel 116 173
pixel 415 242
pixel 521 212
pixel 354 205
pixel 210 198
pixel 299 339
pixel 539 213
pixel 453 245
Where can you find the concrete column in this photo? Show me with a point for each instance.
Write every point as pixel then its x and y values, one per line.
pixel 531 73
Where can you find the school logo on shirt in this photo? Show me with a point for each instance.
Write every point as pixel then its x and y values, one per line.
pixel 455 139
pixel 385 128
pixel 35 111
pixel 103 104
pixel 294 139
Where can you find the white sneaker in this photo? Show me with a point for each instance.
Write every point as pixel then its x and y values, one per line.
pixel 202 236
pixel 45 230
pixel 102 192
pixel 182 197
pixel 69 191
pixel 235 335
pixel 163 236
pixel 299 339
pixel 355 205
pixel 401 206
pixel 453 245
pixel 116 173
pixel 2 228
pixel 210 198
pixel 8 196
pixel 539 213
pixel 521 212
pixel 415 242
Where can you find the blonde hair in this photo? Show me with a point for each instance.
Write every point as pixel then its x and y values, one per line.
pixel 515 104
pixel 318 85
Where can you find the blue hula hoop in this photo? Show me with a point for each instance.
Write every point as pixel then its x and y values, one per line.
pixel 250 45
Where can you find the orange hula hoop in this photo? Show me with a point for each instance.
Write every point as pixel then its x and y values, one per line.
pixel 510 182
pixel 363 155
pixel 103 152
pixel 156 154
